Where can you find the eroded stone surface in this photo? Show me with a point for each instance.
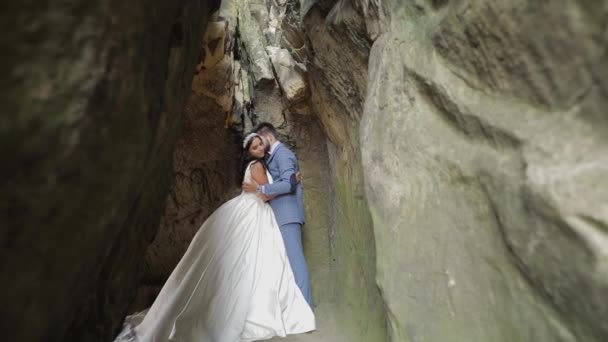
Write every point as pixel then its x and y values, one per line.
pixel 483 163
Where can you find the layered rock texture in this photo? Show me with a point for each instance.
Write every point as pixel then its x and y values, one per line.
pixel 454 154
pixel 484 140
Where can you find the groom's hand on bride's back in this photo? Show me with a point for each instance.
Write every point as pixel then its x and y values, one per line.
pixel 250 187
pixel 253 187
pixel 294 180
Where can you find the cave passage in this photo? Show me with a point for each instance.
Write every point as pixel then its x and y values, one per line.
pixel 453 156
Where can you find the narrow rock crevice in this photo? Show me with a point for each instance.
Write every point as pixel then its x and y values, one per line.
pixel 453 155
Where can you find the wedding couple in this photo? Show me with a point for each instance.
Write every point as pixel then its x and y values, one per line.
pixel 244 276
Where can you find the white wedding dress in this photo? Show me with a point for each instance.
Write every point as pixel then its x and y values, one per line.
pixel 234 283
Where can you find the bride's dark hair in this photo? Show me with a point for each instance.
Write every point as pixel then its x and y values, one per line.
pixel 246 158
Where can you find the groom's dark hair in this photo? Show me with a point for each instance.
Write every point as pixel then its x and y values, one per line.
pixel 265 128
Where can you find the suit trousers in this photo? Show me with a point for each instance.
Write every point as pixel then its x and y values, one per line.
pixel 292 236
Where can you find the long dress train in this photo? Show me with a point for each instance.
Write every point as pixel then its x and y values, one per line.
pixel 233 284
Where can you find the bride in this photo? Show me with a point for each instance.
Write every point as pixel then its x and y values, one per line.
pixel 234 283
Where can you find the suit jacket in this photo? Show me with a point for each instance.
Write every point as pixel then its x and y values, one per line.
pixel 288 205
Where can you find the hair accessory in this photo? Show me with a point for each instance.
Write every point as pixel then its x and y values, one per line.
pixel 248 139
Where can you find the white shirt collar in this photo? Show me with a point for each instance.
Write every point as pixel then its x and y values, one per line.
pixel 274 147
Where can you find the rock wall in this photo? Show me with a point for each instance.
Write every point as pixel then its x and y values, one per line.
pixel 484 141
pixel 93 93
pixel 338 58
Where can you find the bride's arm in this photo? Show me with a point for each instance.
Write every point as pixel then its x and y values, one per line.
pixel 258 173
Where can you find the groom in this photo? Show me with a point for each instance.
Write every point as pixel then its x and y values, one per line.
pixel 286 202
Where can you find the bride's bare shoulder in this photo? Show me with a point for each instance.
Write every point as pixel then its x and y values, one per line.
pixel 258 172
pixel 257 167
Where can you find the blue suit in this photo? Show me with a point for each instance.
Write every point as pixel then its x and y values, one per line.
pixel 288 207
